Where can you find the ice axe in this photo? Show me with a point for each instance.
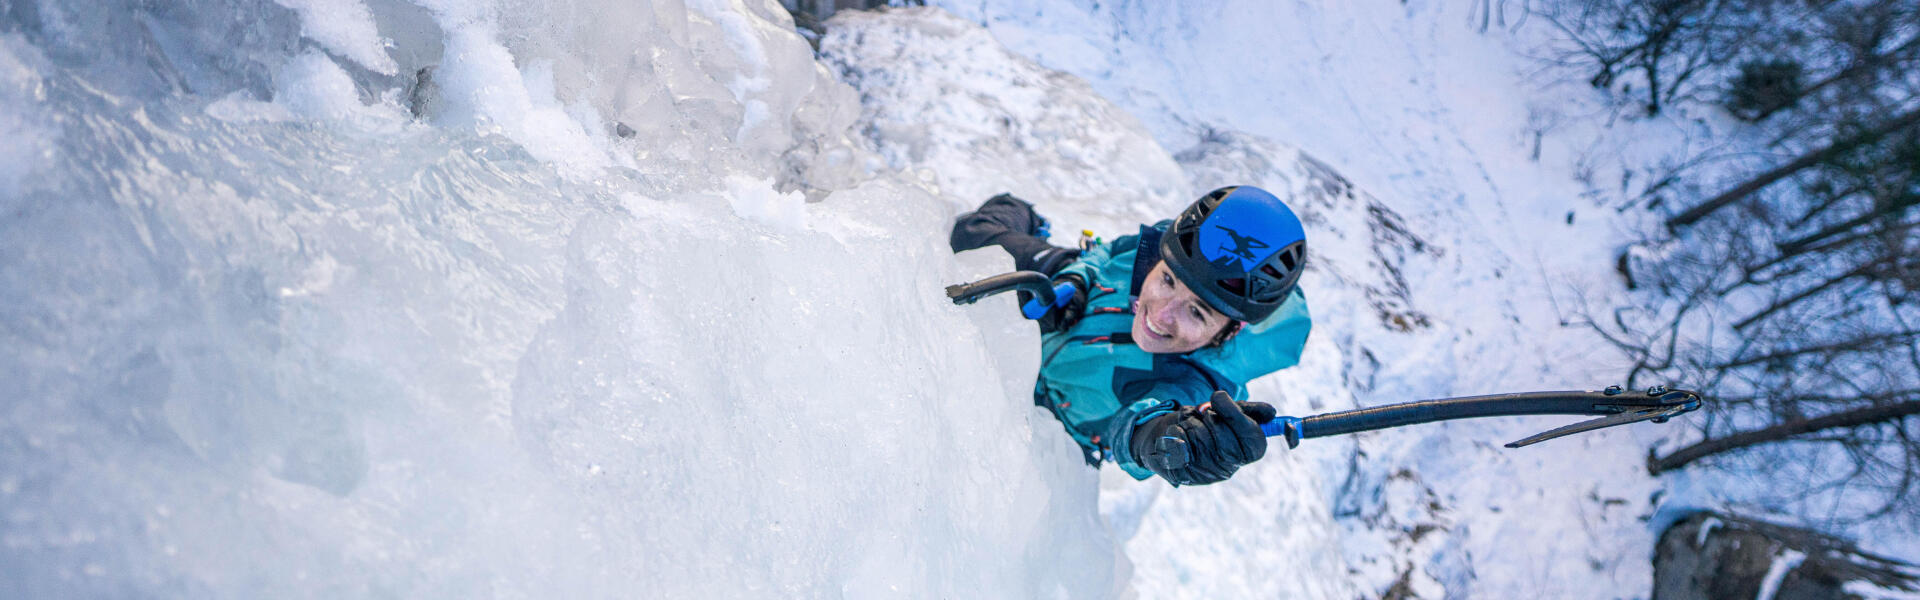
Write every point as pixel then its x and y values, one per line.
pixel 1033 282
pixel 1615 406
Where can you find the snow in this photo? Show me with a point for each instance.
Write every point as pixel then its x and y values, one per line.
pixel 1785 562
pixel 1866 589
pixel 481 86
pixel 345 27
pixel 941 97
pixel 1706 529
pixel 756 200
pixel 316 88
pixel 646 302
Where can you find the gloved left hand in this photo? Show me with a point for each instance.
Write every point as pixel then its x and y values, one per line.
pixel 1202 445
pixel 1069 301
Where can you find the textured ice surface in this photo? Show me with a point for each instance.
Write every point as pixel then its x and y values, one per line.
pixel 26 140
pixel 265 337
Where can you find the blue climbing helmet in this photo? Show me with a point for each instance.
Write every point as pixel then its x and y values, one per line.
pixel 1240 249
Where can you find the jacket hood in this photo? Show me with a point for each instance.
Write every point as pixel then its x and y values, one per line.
pixel 1264 347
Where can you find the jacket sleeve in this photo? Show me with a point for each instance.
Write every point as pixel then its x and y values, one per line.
pixel 1093 260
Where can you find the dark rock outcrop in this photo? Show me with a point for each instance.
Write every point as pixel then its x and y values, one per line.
pixel 1712 556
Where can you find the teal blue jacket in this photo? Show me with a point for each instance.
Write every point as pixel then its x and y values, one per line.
pixel 1099 384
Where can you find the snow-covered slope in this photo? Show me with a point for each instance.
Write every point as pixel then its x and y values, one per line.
pixel 941 97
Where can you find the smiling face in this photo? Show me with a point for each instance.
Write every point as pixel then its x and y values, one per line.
pixel 1169 318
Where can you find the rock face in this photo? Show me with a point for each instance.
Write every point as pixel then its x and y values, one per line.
pixel 1711 556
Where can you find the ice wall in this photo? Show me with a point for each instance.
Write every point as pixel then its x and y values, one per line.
pixel 608 303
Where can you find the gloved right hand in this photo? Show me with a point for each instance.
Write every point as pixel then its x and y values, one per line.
pixel 1069 301
pixel 1198 445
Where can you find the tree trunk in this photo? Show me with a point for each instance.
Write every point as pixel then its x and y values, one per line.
pixel 1848 419
pixel 1806 160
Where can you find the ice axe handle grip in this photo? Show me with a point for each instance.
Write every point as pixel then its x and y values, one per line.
pixel 1283 426
pixel 1030 281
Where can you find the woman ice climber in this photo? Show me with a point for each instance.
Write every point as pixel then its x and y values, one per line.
pixel 1147 351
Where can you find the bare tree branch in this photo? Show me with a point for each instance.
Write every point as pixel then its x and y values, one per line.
pixel 1808 159
pixel 1854 418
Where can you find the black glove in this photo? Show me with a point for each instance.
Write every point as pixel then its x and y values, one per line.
pixel 1064 316
pixel 1198 446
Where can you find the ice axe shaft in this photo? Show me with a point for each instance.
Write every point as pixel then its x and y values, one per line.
pixel 1614 405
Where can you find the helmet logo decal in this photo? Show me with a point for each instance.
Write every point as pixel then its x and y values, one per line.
pixel 1243 247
